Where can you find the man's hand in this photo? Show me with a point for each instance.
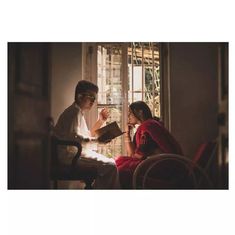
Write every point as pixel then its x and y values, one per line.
pixel 86 139
pixel 102 141
pixel 90 139
pixel 104 114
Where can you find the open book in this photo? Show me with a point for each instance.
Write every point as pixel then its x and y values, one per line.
pixel 108 132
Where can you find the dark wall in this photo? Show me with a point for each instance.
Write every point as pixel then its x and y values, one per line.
pixel 66 71
pixel 194 93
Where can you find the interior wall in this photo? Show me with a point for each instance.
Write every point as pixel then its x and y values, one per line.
pixel 194 93
pixel 66 62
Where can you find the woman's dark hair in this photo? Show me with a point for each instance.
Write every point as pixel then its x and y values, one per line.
pixel 84 86
pixel 138 106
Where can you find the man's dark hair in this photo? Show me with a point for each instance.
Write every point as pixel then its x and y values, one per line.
pixel 84 86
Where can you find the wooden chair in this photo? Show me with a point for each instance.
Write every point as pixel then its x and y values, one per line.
pixel 69 172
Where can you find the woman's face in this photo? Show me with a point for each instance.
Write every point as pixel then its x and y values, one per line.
pixel 132 119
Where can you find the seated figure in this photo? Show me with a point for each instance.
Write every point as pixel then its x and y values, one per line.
pixel 150 138
pixel 71 125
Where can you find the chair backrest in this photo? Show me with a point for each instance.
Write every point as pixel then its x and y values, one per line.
pixel 54 151
pixel 204 154
pixel 169 171
pixel 68 172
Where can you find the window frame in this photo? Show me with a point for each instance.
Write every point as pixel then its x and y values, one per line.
pixel 89 58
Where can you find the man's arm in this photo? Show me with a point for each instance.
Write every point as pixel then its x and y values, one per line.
pixel 96 126
pixel 103 116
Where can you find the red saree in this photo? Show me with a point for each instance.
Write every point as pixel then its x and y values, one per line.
pixel 150 134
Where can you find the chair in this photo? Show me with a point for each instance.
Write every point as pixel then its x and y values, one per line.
pixel 169 171
pixel 69 172
pixel 204 154
pixel 205 157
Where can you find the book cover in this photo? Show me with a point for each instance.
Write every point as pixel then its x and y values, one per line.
pixel 109 132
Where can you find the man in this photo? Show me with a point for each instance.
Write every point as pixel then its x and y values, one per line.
pixel 72 126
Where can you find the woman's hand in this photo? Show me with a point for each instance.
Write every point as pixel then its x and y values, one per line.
pixel 127 139
pixel 104 114
pixel 128 129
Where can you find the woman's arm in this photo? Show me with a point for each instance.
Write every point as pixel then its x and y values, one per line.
pixel 130 147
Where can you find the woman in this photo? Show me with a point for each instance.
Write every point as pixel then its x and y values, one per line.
pixel 150 138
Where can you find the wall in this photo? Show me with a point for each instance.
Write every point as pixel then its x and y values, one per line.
pixel 194 102
pixel 66 71
pixel 66 62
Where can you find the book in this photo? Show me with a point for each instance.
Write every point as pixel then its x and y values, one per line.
pixel 108 132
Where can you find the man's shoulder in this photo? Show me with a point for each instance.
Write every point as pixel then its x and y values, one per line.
pixel 70 111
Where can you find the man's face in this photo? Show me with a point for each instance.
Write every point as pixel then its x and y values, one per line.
pixel 86 100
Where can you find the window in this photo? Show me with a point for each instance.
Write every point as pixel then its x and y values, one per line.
pixel 126 72
pixel 109 62
pixel 144 75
